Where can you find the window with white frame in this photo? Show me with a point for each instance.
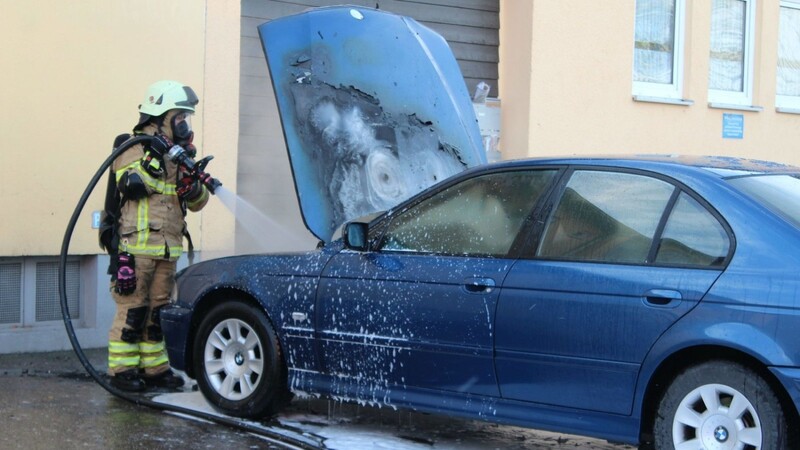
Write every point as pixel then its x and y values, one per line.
pixel 730 75
pixel 788 73
pixel 658 49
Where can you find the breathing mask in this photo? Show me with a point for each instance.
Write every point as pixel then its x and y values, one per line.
pixel 181 125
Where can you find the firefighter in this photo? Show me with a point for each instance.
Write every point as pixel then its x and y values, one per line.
pixel 155 194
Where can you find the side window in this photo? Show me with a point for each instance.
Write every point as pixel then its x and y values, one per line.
pixel 480 216
pixel 692 236
pixel 607 217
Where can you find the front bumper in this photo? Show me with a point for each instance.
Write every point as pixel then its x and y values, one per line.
pixel 175 323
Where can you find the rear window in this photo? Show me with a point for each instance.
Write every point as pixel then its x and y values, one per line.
pixel 780 193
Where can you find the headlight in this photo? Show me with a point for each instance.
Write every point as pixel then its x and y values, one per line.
pixel 173 296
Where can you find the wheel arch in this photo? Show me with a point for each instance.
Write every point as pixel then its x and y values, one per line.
pixel 681 360
pixel 208 301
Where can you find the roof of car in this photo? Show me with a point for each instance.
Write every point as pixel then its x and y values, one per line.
pixel 722 166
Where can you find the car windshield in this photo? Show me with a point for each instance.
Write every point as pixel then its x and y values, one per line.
pixel 780 193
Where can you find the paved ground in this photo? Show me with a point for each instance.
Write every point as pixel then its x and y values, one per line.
pixel 48 401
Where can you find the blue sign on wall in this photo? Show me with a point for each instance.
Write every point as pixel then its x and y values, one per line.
pixel 732 126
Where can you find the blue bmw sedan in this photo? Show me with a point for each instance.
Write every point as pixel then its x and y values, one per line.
pixel 651 299
pixel 637 299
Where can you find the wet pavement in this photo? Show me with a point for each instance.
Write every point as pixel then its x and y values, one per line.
pixel 47 400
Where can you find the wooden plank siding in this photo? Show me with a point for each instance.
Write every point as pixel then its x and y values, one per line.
pixel 471 28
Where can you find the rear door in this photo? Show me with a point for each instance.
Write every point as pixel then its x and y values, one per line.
pixel 419 310
pixel 621 258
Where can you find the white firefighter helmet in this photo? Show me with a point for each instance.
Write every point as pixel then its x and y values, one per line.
pixel 164 95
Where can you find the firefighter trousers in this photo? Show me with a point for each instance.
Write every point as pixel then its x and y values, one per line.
pixel 135 341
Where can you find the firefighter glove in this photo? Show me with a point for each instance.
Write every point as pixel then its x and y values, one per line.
pixel 189 188
pixel 126 274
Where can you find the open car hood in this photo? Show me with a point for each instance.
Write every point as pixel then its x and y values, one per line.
pixel 374 109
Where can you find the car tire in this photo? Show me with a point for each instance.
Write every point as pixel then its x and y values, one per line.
pixel 238 362
pixel 720 405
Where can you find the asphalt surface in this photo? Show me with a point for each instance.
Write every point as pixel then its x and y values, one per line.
pixel 47 400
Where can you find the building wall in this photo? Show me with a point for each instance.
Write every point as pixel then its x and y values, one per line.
pixel 221 120
pixel 572 92
pixel 77 73
pixel 74 72
pixel 73 75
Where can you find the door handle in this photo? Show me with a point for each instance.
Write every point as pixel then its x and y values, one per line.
pixel 662 297
pixel 479 285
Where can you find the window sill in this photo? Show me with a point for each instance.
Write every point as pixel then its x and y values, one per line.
pixel 735 107
pixel 787 110
pixel 665 100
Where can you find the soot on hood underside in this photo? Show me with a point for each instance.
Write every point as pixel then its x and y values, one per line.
pixel 374 109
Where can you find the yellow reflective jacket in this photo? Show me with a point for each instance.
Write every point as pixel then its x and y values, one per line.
pixel 153 226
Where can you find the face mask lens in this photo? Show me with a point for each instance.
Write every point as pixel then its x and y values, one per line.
pixel 184 118
pixel 182 127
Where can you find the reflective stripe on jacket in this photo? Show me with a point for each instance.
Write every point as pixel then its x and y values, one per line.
pixel 152 226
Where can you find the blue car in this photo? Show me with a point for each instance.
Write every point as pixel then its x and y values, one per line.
pixel 629 299
pixel 639 299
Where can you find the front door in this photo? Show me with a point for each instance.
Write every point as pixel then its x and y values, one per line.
pixel 418 310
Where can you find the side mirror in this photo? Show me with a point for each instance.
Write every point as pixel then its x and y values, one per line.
pixel 355 236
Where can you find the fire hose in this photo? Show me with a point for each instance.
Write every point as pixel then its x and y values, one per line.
pixel 211 183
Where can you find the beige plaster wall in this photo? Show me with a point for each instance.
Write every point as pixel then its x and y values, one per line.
pixel 221 119
pixel 515 69
pixel 578 75
pixel 73 75
pixel 74 72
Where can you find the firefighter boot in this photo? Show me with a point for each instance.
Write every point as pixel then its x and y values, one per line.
pixel 128 380
pixel 164 380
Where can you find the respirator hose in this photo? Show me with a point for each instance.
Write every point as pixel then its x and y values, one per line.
pixel 137 399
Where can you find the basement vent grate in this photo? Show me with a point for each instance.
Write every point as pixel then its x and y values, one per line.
pixel 10 293
pixel 48 303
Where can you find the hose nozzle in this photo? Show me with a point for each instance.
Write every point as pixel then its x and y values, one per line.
pixel 178 155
